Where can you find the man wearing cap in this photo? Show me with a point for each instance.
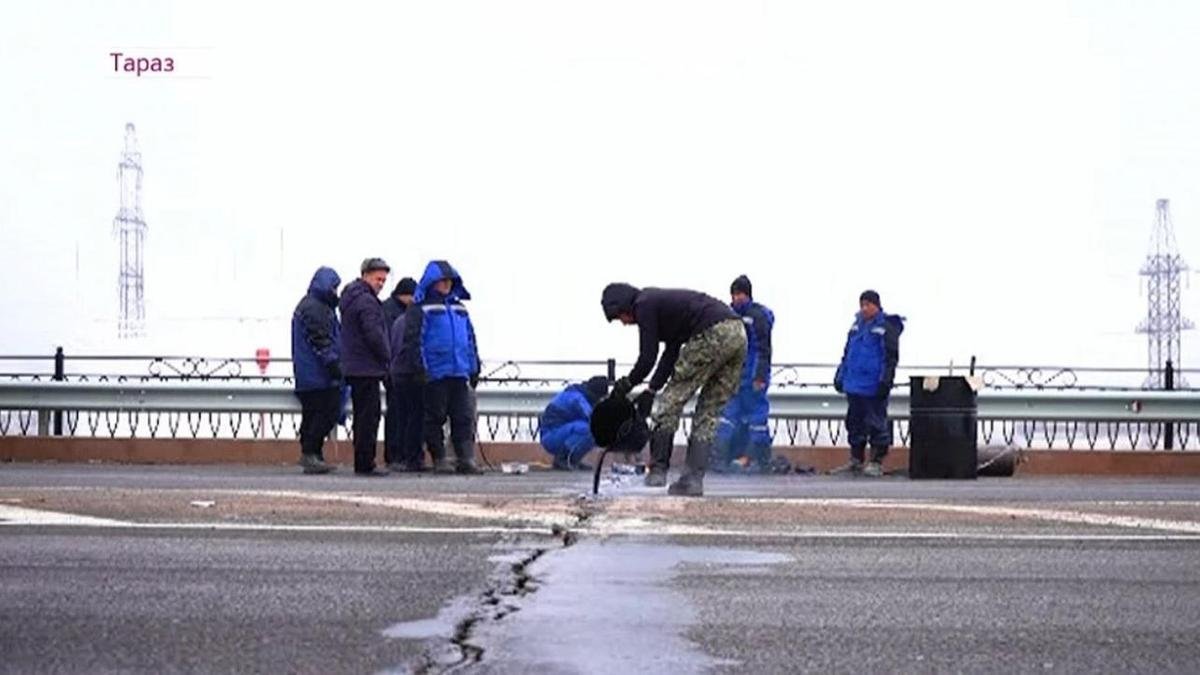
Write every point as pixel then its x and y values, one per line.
pixel 401 425
pixel 865 376
pixel 705 345
pixel 365 357
pixel 744 421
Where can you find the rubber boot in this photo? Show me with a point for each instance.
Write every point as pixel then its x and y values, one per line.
pixel 314 465
pixel 719 459
pixel 691 483
pixel 661 444
pixel 762 457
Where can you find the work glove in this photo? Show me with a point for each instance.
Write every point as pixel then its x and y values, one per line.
pixel 884 390
pixel 644 403
pixel 334 369
pixel 474 381
pixel 622 388
pixel 837 385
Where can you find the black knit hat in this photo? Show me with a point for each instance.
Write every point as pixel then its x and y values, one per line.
pixel 406 286
pixel 618 298
pixel 871 297
pixel 742 285
pixel 596 388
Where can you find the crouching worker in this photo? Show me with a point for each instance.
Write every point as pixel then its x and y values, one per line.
pixel 705 345
pixel 564 424
pixel 317 368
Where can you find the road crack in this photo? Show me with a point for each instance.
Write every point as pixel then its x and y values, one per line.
pixel 502 598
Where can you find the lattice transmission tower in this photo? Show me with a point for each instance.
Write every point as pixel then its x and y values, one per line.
pixel 1164 324
pixel 130 228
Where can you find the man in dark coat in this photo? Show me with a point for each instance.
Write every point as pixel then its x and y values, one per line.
pixel 316 367
pixel 405 410
pixel 365 357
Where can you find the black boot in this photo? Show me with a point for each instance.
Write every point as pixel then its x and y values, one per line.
pixel 662 442
pixel 314 465
pixel 719 458
pixel 691 484
pixel 762 457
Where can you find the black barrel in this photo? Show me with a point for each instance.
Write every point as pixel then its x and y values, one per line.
pixel 942 429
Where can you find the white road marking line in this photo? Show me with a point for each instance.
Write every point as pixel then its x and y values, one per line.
pixel 1032 513
pixel 429 506
pixel 16 517
pixel 19 515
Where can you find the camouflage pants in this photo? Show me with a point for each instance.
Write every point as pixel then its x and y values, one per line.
pixel 710 363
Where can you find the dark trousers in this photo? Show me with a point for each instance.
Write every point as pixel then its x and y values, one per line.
pixel 451 398
pixel 867 422
pixel 405 421
pixel 364 391
pixel 318 416
pixel 391 424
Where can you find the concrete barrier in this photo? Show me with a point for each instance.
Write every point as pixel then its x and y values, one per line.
pixel 220 451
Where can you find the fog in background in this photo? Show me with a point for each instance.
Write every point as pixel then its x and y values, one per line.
pixel 990 168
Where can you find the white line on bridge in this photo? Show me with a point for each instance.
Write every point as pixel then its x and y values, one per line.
pixel 1031 513
pixel 14 516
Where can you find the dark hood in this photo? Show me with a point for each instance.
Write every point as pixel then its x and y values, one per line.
pixel 406 286
pixel 618 298
pixel 435 271
pixel 324 286
pixel 595 389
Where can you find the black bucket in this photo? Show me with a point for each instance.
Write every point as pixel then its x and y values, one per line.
pixel 942 429
pixel 613 419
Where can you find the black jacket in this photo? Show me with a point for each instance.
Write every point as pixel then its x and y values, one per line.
pixel 392 309
pixel 672 317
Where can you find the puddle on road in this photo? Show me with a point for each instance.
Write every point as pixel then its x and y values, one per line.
pixel 606 606
pixel 441 625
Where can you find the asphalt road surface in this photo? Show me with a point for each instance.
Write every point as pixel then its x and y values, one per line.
pixel 237 569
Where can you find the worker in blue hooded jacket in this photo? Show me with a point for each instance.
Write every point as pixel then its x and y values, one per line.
pixel 316 365
pixel 742 429
pixel 865 376
pixel 564 426
pixel 441 353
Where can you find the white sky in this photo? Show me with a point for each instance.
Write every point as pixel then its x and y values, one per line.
pixel 990 168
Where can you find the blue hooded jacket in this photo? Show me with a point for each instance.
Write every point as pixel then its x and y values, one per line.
pixel 316 333
pixel 872 351
pixel 439 338
pixel 565 425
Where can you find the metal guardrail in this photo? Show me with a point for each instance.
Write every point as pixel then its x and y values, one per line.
pixel 230 409
pixel 1033 405
pixel 550 374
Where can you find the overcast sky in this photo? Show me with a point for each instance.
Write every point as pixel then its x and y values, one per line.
pixel 990 168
